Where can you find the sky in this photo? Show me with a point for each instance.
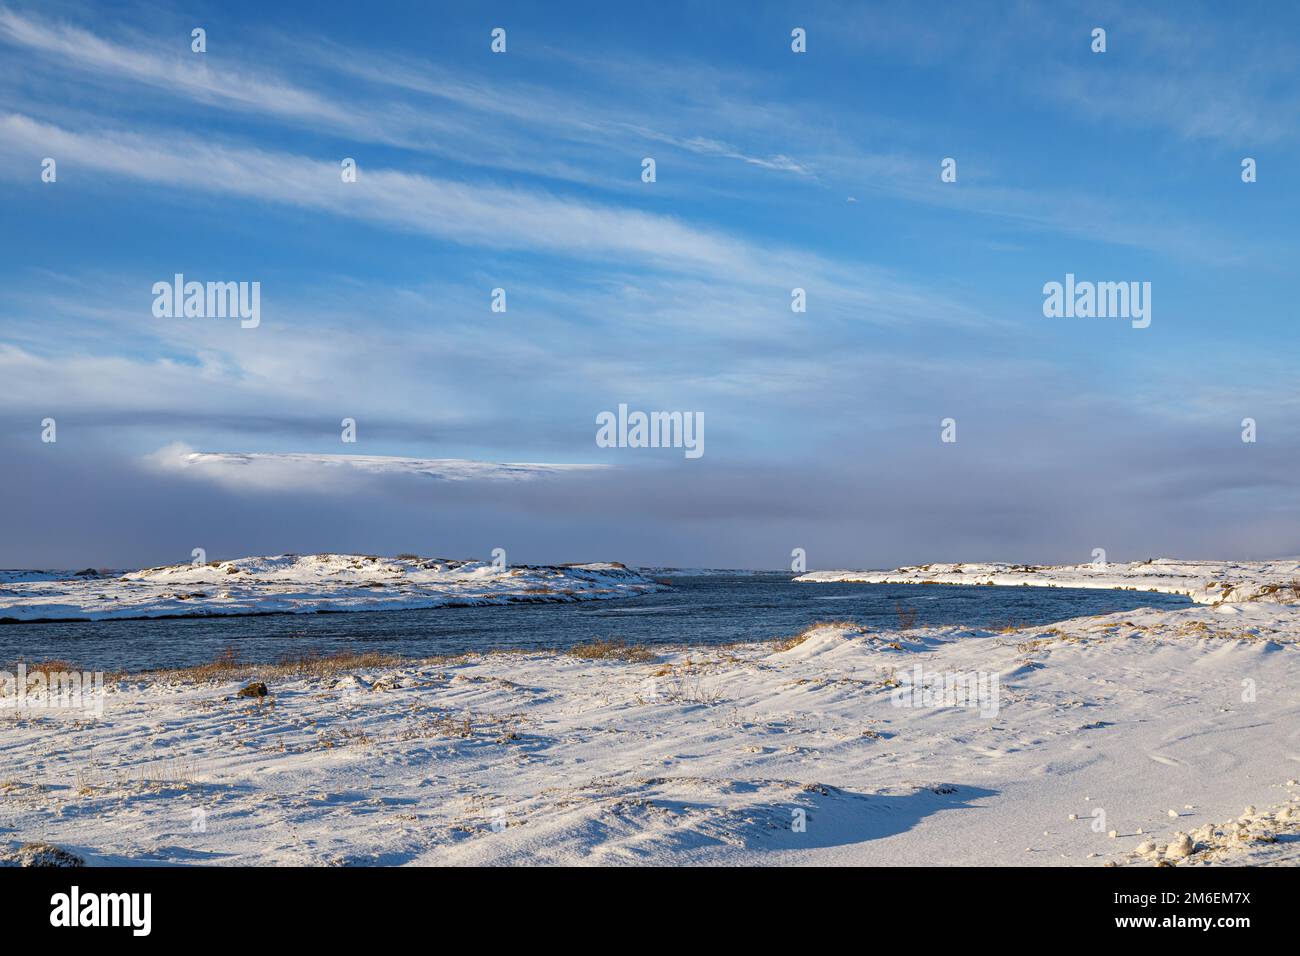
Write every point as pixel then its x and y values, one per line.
pixel 774 170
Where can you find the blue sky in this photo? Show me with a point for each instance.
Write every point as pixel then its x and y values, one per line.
pixel 775 170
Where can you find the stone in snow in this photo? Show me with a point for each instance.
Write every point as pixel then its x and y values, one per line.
pixel 1180 847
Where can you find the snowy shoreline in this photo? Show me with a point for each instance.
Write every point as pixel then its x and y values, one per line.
pixel 303 584
pixel 1145 736
pixel 1206 582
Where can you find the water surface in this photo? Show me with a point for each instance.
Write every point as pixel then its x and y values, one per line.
pixel 710 609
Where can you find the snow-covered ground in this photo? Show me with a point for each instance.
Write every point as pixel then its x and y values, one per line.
pixel 303 584
pixel 1207 582
pixel 1102 736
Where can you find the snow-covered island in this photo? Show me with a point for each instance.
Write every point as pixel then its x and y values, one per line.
pixel 303 584
pixel 1206 582
pixel 1140 737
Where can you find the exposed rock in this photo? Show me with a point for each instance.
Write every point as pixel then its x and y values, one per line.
pixel 255 689
pixel 41 854
pixel 1180 847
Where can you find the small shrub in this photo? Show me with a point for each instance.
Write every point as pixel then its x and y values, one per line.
pixel 613 650
pixel 906 616
pixel 229 666
pixel 50 667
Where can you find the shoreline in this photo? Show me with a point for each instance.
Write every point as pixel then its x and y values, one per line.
pixel 451 604
pixel 805 750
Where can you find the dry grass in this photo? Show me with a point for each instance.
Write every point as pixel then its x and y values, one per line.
pixel 790 643
pixel 906 617
pixel 229 666
pixel 50 667
pixel 444 725
pixel 1280 592
pixel 692 690
pixel 162 775
pixel 613 650
pixel 1049 638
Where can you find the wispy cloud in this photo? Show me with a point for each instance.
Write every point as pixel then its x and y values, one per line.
pixel 523 172
pixel 288 471
pixel 500 217
pixel 179 74
pixel 535 112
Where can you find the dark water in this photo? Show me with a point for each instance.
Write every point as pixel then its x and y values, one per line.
pixel 700 610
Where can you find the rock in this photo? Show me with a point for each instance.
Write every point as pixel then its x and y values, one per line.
pixel 1113 834
pixel 1146 847
pixel 255 689
pixel 41 854
pixel 1173 813
pixel 1074 816
pixel 1179 848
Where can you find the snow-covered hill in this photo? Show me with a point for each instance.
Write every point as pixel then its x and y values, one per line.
pixel 302 584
